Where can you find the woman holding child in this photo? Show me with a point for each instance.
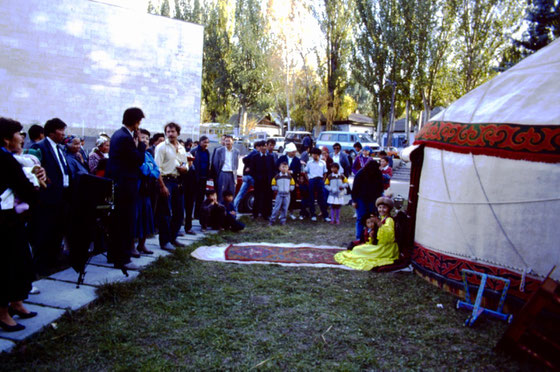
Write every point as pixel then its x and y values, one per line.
pixel 380 249
pixel 16 273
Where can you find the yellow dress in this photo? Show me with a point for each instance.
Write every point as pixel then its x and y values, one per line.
pixel 367 256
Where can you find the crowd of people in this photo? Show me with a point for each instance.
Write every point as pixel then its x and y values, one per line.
pixel 160 186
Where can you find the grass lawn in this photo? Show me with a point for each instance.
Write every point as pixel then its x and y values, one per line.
pixel 181 313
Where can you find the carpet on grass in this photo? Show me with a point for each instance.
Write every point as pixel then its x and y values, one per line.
pixel 267 253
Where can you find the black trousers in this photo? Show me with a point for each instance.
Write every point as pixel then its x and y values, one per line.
pixel 123 221
pixel 200 193
pixel 263 198
pixel 48 226
pixel 189 190
pixel 16 268
pixel 170 212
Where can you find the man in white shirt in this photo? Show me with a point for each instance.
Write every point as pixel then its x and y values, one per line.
pixel 171 158
pixel 316 170
pixel 225 163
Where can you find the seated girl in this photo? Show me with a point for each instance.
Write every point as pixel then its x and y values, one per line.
pixel 385 252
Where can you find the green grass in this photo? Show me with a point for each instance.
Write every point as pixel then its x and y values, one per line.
pixel 181 313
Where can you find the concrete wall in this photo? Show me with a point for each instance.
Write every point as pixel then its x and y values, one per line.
pixel 87 61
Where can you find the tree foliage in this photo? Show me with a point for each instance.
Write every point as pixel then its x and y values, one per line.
pixel 435 50
pixel 543 17
pixel 335 20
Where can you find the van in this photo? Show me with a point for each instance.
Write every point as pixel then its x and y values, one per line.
pixel 297 138
pixel 346 140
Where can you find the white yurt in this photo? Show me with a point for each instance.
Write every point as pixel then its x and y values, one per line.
pixel 485 183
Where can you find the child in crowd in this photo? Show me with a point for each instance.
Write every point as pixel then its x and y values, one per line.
pixel 212 213
pixel 231 221
pixel 336 185
pixel 386 171
pixel 29 164
pixel 283 183
pixel 369 235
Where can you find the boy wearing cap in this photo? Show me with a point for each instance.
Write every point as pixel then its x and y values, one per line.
pixel 294 168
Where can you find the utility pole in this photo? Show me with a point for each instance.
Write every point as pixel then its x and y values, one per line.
pixel 391 117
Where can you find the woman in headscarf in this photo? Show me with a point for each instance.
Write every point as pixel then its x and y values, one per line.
pixel 380 248
pixel 16 272
pixel 74 158
pixel 362 159
pixel 99 155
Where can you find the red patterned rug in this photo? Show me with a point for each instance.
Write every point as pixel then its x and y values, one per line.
pixel 270 253
pixel 266 253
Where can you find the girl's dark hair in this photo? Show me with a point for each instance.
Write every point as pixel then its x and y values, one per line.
pixel 336 165
pixel 8 127
pixel 358 145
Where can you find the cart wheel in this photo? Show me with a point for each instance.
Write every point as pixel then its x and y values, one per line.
pixel 510 319
pixel 457 304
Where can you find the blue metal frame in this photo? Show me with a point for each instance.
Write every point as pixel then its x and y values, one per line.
pixel 478 310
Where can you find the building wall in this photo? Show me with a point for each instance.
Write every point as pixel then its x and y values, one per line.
pixel 87 61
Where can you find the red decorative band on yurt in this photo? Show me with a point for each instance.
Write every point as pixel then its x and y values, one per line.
pixel 450 268
pixel 512 141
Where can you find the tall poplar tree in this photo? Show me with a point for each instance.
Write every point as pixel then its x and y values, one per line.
pixel 335 20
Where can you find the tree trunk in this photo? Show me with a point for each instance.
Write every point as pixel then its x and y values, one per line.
pixel 391 118
pixel 407 124
pixel 427 109
pixel 379 122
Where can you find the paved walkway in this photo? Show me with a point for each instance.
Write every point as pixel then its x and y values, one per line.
pixel 59 292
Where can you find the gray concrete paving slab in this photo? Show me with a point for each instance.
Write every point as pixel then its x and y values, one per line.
pixel 96 275
pixel 143 261
pixel 62 295
pixel 189 239
pixel 45 316
pixel 6 345
pixel 158 252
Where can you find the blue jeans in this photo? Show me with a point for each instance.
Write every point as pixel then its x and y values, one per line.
pixel 317 184
pixel 248 181
pixel 170 212
pixel 363 208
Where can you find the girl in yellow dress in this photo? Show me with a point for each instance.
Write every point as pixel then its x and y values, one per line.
pixel 369 255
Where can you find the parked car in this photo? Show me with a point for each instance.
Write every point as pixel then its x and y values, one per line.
pixel 297 138
pixel 346 140
pixel 279 143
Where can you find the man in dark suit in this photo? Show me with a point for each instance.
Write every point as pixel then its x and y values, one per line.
pixel 49 217
pixel 262 169
pixel 126 155
pixel 294 166
pixel 202 172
